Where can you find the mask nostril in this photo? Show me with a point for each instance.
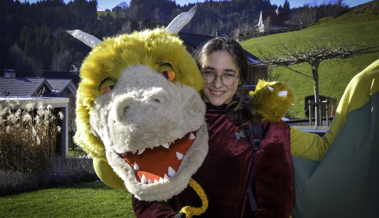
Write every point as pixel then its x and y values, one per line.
pixel 125 108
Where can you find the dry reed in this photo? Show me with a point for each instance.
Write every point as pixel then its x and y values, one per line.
pixel 27 137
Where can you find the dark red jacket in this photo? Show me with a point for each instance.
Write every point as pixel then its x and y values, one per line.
pixel 225 173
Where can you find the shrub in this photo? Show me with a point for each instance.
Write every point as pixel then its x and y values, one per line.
pixel 64 171
pixel 27 141
pixel 28 158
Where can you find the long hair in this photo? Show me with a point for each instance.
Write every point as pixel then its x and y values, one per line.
pixel 240 111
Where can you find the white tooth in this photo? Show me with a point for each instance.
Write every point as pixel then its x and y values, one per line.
pixel 134 152
pixel 141 151
pixel 192 136
pixel 166 145
pixel 155 181
pixel 160 179
pixel 171 172
pixel 271 89
pixel 124 154
pixel 136 167
pixel 143 179
pixel 282 93
pixel 179 156
pixel 149 182
pixel 217 93
pixel 165 176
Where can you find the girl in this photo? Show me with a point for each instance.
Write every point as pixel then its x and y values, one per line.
pixel 225 173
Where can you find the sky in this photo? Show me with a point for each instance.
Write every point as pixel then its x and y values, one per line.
pixel 109 4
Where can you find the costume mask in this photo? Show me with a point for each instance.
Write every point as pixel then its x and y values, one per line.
pixel 139 109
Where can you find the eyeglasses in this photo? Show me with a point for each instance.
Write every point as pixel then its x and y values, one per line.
pixel 227 79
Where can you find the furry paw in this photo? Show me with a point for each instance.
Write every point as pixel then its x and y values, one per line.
pixel 272 100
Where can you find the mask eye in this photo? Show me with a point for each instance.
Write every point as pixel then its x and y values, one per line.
pixel 107 85
pixel 168 74
pixel 107 89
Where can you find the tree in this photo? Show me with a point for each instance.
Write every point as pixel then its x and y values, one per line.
pixel 124 6
pixel 286 6
pixel 314 56
pixel 267 25
pixel 134 25
pixel 62 61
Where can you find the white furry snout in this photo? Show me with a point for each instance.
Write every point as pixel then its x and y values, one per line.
pixel 146 111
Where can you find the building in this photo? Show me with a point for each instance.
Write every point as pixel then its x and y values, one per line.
pixel 25 87
pixel 272 20
pixel 74 76
pixel 116 9
pixel 60 93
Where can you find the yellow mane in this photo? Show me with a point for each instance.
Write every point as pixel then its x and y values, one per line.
pixel 272 100
pixel 112 56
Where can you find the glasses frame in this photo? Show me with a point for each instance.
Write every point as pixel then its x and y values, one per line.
pixel 222 80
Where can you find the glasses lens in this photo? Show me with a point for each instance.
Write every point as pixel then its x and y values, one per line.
pixel 208 77
pixel 227 79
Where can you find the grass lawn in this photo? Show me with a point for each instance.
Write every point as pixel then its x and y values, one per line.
pixel 334 75
pixel 77 152
pixel 93 199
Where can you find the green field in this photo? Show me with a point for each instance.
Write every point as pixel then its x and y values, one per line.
pixel 334 75
pixel 78 200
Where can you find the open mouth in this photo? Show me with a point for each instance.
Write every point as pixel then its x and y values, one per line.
pixel 160 163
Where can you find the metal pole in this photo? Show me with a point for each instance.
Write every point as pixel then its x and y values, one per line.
pixel 310 112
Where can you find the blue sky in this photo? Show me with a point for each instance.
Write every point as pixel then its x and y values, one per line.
pixel 104 4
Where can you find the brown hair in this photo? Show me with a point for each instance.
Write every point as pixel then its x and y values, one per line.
pixel 240 111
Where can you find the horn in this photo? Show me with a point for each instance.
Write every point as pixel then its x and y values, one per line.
pixel 88 39
pixel 181 20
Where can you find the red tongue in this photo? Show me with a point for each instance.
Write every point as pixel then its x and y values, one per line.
pixel 154 163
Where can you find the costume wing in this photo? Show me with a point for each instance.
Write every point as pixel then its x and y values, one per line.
pixel 346 182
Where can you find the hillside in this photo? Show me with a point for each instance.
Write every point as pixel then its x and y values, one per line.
pixel 33 36
pixel 360 24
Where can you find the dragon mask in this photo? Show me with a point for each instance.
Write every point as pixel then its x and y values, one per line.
pixel 139 109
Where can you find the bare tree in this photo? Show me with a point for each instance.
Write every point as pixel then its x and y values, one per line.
pixel 133 11
pixel 123 6
pixel 267 24
pixel 15 56
pixel 314 56
pixel 62 61
pixel 304 16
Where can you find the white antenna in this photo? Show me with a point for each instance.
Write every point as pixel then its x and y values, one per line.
pixel 181 20
pixel 88 39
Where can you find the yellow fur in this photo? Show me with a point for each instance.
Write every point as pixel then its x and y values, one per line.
pixel 269 104
pixel 115 54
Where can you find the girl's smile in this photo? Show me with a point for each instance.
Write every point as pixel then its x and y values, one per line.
pixel 220 65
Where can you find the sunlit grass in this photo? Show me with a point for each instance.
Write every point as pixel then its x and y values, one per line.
pixel 334 75
pixel 76 153
pixel 93 199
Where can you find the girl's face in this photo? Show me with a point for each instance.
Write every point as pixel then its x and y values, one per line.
pixel 219 63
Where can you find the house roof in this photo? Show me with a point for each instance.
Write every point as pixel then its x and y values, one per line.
pixel 59 85
pixel 62 75
pixel 21 86
pixel 275 19
pixel 196 40
pixel 251 59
